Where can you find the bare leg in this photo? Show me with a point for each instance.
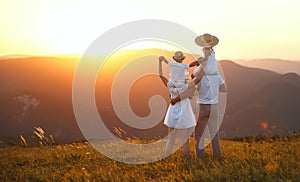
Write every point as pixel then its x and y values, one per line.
pixel 186 149
pixel 171 141
pixel 185 140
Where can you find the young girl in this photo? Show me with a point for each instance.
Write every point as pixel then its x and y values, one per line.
pixel 208 93
pixel 208 62
pixel 179 118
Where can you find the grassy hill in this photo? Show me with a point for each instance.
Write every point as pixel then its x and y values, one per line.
pixel 263 160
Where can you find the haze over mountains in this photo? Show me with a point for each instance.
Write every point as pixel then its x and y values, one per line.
pixel 37 91
pixel 277 65
pixel 258 96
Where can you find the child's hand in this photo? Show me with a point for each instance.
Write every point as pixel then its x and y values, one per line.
pixel 161 58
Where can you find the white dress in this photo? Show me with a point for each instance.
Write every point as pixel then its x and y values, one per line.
pixel 209 85
pixel 180 115
pixel 211 66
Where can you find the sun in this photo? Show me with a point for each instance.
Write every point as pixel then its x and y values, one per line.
pixel 66 34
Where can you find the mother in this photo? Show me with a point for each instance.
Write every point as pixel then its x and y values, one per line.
pixel 179 118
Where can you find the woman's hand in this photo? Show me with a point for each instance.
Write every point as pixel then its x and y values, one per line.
pixel 161 58
pixel 163 79
pixel 173 101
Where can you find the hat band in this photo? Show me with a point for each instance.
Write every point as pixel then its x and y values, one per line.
pixel 178 57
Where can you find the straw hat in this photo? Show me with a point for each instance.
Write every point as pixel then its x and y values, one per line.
pixel 178 56
pixel 206 40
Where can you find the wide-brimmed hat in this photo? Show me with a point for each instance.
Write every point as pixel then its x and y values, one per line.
pixel 178 56
pixel 206 40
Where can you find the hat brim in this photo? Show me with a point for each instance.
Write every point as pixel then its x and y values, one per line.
pixel 201 42
pixel 182 58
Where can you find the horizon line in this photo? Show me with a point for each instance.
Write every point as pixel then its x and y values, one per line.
pixel 78 55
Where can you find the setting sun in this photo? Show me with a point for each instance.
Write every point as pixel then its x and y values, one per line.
pixel 160 90
pixel 247 29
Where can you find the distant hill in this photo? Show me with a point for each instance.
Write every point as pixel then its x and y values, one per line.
pixel 37 91
pixel 47 80
pixel 277 65
pixel 258 96
pixel 14 56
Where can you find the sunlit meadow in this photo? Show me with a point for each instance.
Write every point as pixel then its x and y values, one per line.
pixel 248 159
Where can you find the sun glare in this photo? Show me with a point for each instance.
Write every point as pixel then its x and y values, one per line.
pixel 257 29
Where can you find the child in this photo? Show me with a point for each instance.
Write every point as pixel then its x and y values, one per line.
pixel 208 62
pixel 179 117
pixel 177 77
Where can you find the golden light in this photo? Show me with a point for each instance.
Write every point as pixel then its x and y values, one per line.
pixel 246 29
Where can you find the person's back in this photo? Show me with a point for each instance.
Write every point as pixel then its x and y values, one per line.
pixel 177 76
pixel 210 66
pixel 208 88
pixel 179 118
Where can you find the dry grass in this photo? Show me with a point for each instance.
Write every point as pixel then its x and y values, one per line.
pixel 262 161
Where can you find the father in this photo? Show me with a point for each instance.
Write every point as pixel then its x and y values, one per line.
pixel 208 89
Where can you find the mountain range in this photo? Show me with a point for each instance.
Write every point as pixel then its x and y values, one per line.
pixel 276 65
pixel 37 92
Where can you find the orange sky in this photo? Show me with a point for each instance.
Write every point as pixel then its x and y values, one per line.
pixel 246 29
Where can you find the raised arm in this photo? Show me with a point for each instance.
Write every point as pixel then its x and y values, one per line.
pixel 191 89
pixel 163 79
pixel 194 63
pixel 198 78
pixel 207 52
pixel 161 58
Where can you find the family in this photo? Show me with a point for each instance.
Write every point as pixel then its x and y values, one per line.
pixel 208 82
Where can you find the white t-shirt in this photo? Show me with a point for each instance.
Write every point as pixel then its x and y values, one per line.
pixel 177 71
pixel 208 87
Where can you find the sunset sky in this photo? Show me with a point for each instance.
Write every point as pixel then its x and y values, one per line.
pixel 246 29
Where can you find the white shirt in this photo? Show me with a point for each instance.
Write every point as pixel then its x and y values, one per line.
pixel 177 71
pixel 208 87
